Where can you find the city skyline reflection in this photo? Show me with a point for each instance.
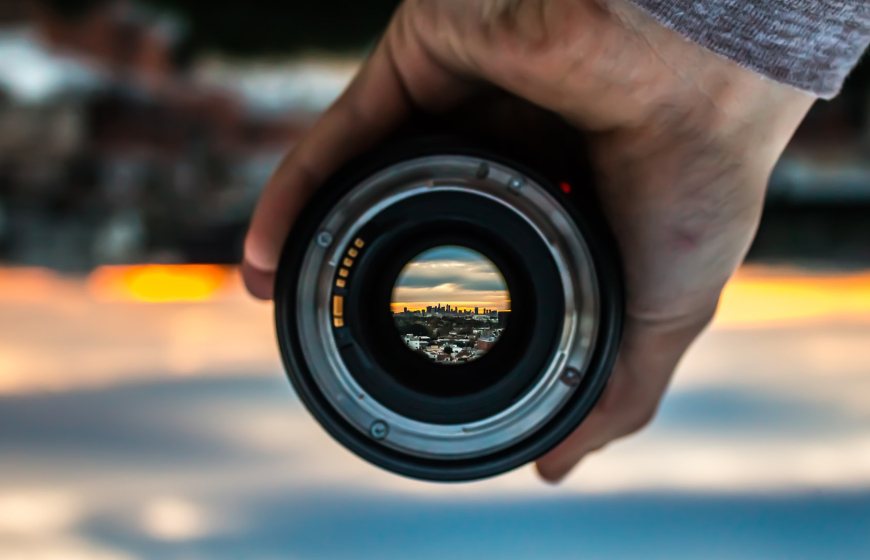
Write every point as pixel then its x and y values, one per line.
pixel 450 304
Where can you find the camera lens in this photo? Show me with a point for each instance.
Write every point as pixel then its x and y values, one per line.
pixel 447 312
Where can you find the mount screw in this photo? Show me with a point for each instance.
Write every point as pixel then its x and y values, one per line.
pixel 324 239
pixel 379 429
pixel 571 377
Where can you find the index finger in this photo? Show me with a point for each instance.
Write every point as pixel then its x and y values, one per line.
pixel 371 106
pixel 377 101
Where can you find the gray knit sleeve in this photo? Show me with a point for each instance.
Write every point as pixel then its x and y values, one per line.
pixel 809 44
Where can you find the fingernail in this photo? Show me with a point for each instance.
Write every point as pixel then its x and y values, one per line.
pixel 258 282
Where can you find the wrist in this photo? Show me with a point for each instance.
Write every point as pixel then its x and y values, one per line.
pixel 711 97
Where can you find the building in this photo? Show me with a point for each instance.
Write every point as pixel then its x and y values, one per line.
pixel 485 344
pixel 416 342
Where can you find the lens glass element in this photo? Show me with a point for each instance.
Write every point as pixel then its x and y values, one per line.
pixel 450 304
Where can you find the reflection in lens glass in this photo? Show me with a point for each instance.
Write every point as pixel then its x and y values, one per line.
pixel 450 304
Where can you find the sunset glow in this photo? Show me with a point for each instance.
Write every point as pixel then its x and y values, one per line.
pixel 756 295
pixel 158 283
pixel 177 320
pixel 499 304
pixel 763 295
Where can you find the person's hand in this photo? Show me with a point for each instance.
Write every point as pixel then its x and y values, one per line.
pixel 683 142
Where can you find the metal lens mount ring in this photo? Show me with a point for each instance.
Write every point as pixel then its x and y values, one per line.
pixel 498 184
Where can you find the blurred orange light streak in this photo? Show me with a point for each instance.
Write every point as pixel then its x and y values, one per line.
pixel 157 283
pixel 761 296
pixel 757 295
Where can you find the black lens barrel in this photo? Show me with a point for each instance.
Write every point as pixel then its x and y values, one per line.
pixel 407 384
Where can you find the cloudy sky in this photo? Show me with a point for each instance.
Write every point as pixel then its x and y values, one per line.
pixel 451 275
pixel 133 430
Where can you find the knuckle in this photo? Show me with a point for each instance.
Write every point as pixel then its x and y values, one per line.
pixel 634 407
pixel 640 418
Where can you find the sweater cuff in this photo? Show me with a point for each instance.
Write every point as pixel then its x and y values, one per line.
pixel 809 44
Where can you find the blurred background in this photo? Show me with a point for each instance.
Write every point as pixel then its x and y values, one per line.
pixel 144 412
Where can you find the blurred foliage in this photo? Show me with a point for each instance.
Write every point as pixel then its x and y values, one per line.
pixel 268 27
pixel 72 8
pixel 265 27
pixel 274 27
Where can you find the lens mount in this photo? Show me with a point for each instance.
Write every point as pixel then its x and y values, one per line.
pixel 387 404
